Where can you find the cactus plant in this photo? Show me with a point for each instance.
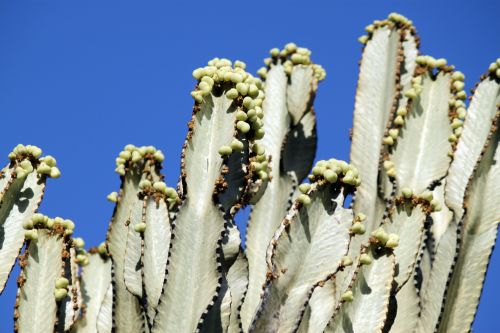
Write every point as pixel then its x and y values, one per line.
pixel 408 254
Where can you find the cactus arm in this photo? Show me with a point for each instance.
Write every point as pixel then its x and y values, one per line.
pixel 434 284
pixel 479 233
pixel 156 245
pixel 482 110
pixel 377 95
pixel 408 223
pixel 319 308
pixel 408 309
pixel 369 306
pixel 105 315
pixel 42 264
pixel 200 223
pixel 19 202
pixel 420 155
pixel 95 280
pixel 290 127
pixel 321 231
pixel 127 310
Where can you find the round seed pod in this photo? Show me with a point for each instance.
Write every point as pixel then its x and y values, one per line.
pixel 258 149
pixel 380 235
pixel 158 156
pixel 60 294
pixel 365 259
pixel 225 151
pixel 241 115
pixel 242 88
pixel 263 175
pixel 392 241
pixel 304 188
pixel 346 261
pixel 330 175
pixel 79 243
pixel 113 197
pixel 407 192
pixel 304 199
pixel 55 173
pixel 237 145
pixel 399 121
pixel 144 184
pixel 232 93
pixel 248 102
pixel 243 127
pixel 259 133
pixel 358 228
pixel 62 283
pixel 347 296
pixel 140 227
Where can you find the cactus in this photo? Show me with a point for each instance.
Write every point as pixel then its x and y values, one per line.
pixel 408 254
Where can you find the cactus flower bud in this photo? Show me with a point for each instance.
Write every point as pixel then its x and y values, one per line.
pixel 330 176
pixel 79 243
pixel 304 199
pixel 140 227
pixel 304 188
pixel 62 283
pixel 347 296
pixel 225 151
pixel 346 261
pixel 113 197
pixel 358 228
pixel 60 294
pixel 380 235
pixel 407 192
pixel 392 241
pixel 237 145
pixel 427 195
pixel 365 259
pixel 242 126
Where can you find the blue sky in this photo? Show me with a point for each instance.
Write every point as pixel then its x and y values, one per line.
pixel 82 79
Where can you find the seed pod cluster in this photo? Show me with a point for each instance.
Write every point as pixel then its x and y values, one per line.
pixel 61 289
pixel 40 221
pixel 82 257
pixel 382 238
pixel 494 69
pixel 27 159
pixel 393 20
pixel 133 155
pixel 292 55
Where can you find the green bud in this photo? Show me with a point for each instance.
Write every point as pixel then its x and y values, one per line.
pixel 392 241
pixel 358 228
pixel 144 184
pixel 410 93
pixel 347 296
pixel 458 76
pixel 243 127
pixel 225 151
pixel 389 141
pixel 363 39
pixel 461 95
pixel 391 172
pixel 380 235
pixel 318 170
pixel 259 134
pixel 393 133
pixel 346 261
pixel 197 97
pixel 402 111
pixel 458 85
pixel 263 175
pixel 407 192
pixel 242 88
pixel 427 196
pixel 232 93
pixel 60 294
pixel 79 243
pixel 31 234
pixel 365 259
pixel 140 227
pixel 55 173
pixel 304 199
pixel 237 145
pixel 248 102
pixel 399 121
pixel 304 188
pixel 241 115
pixel 330 176
pixel 258 149
pixel 274 52
pixel 253 91
pixel 62 283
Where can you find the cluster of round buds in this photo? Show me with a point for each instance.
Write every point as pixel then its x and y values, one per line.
pixel 133 154
pixel 394 19
pixel 61 288
pixel 259 164
pixel 494 69
pixel 160 187
pixel 358 228
pixel 431 63
pixel 82 257
pixel 457 108
pixel 348 296
pixel 333 171
pixel 291 56
pixel 40 221
pixel 28 158
pixel 390 169
pixel 384 239
pixel 426 198
pixel 103 250
pixel 416 88
pixel 21 152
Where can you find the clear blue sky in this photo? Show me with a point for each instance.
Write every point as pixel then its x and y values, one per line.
pixel 83 78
